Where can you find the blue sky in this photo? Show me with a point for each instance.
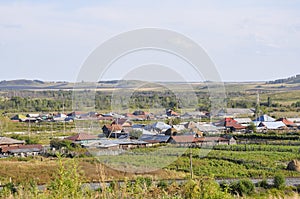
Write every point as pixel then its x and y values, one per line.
pixel 247 40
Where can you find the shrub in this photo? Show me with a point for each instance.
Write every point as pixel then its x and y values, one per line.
pixel 263 184
pixel 279 181
pixel 162 184
pixel 67 183
pixel 191 189
pixel 242 187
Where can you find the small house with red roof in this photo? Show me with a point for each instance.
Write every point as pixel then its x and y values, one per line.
pixel 230 124
pixel 287 122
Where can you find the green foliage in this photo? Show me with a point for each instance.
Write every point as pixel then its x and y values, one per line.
pixel 59 144
pixel 269 103
pixel 8 190
pixel 254 136
pixel 144 181
pixel 162 184
pixel 28 139
pixel 173 121
pixel 204 188
pixel 135 134
pixel 67 182
pixel 264 184
pixel 296 104
pixel 242 187
pixel 191 189
pixel 279 181
pixel 251 127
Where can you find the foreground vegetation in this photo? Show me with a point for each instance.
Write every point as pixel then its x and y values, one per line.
pixel 68 178
pixel 222 162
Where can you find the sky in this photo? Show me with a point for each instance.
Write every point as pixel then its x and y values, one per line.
pixel 249 40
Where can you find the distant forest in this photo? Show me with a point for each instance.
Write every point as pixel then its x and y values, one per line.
pixel 289 80
pixel 59 101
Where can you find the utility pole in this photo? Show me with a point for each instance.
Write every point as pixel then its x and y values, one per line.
pixel 257 108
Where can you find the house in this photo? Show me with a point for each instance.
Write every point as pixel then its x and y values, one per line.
pixel 60 117
pixel 33 115
pixel 295 120
pixel 32 119
pixel 122 121
pixel 272 125
pixel 243 121
pixel 193 115
pixel 179 127
pixel 158 127
pixel 113 130
pixel 183 140
pixel 115 144
pixel 13 147
pixel 19 117
pixel 22 150
pixel 105 117
pixel 230 124
pixel 155 139
pixel 190 125
pixel 287 122
pixel 10 142
pixel 75 114
pixel 99 148
pixel 193 127
pixel 171 113
pixel 92 115
pixel 208 129
pixel 139 116
pixel 82 138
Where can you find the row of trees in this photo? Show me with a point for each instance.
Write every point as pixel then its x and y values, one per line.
pixel 47 101
pixel 63 100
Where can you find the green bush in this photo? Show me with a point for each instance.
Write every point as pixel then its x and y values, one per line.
pixel 279 181
pixel 162 184
pixel 242 187
pixel 264 184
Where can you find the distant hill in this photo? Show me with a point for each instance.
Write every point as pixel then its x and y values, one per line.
pixel 23 84
pixel 289 80
pixel 20 82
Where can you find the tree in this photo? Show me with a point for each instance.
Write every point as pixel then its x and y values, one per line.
pixel 269 104
pixel 251 127
pixel 135 134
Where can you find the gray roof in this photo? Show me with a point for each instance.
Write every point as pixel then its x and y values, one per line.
pixel 158 125
pixel 158 138
pixel 273 125
pixel 207 128
pixel 243 120
pixel 6 140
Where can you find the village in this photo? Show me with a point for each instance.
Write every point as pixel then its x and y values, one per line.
pixel 121 132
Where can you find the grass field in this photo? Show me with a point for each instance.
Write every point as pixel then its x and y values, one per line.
pixel 257 161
